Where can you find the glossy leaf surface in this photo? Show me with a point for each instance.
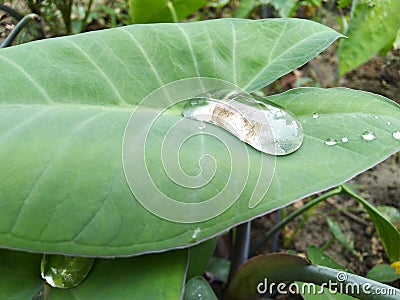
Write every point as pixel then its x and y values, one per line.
pixel 65 105
pixel 64 108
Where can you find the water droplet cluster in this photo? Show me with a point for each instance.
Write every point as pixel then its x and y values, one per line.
pixel 368 135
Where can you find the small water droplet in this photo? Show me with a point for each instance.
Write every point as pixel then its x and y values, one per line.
pixel 388 123
pixel 330 142
pixel 345 139
pixel 195 234
pixel 396 134
pixel 376 117
pixel 368 135
pixel 315 115
pixel 199 296
pixel 201 125
pixel 264 126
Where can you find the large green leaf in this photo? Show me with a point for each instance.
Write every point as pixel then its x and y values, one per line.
pixel 65 103
pixel 374 24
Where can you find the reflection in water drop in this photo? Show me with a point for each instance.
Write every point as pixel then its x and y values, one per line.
pixel 376 117
pixel 199 296
pixel 315 115
pixel 265 127
pixel 396 134
pixel 201 125
pixel 345 139
pixel 368 135
pixel 62 271
pixel 388 123
pixel 330 142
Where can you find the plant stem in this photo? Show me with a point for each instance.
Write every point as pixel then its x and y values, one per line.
pixel 21 24
pixel 12 12
pixel 293 215
pixel 241 247
pixel 46 292
pixel 173 12
pixel 275 238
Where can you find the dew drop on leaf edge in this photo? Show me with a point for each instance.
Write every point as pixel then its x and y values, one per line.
pixel 264 126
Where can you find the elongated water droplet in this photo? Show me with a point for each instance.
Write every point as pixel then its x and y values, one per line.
pixel 396 134
pixel 330 142
pixel 65 271
pixel 376 117
pixel 265 127
pixel 368 135
pixel 345 139
pixel 315 115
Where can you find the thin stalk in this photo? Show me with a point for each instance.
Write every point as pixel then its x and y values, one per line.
pixel 328 243
pixel 293 215
pixel 46 292
pixel 12 12
pixel 89 7
pixel 275 238
pixel 172 11
pixel 241 247
pixel 21 24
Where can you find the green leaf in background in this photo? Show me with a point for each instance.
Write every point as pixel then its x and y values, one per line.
pixel 245 7
pixel 388 234
pixel 199 257
pixel 391 213
pixel 373 24
pixel 198 288
pixel 219 267
pixel 343 3
pixel 20 275
pixel 383 273
pixel 285 8
pixel 319 257
pixel 64 108
pixel 337 232
pixel 153 276
pixel 155 11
